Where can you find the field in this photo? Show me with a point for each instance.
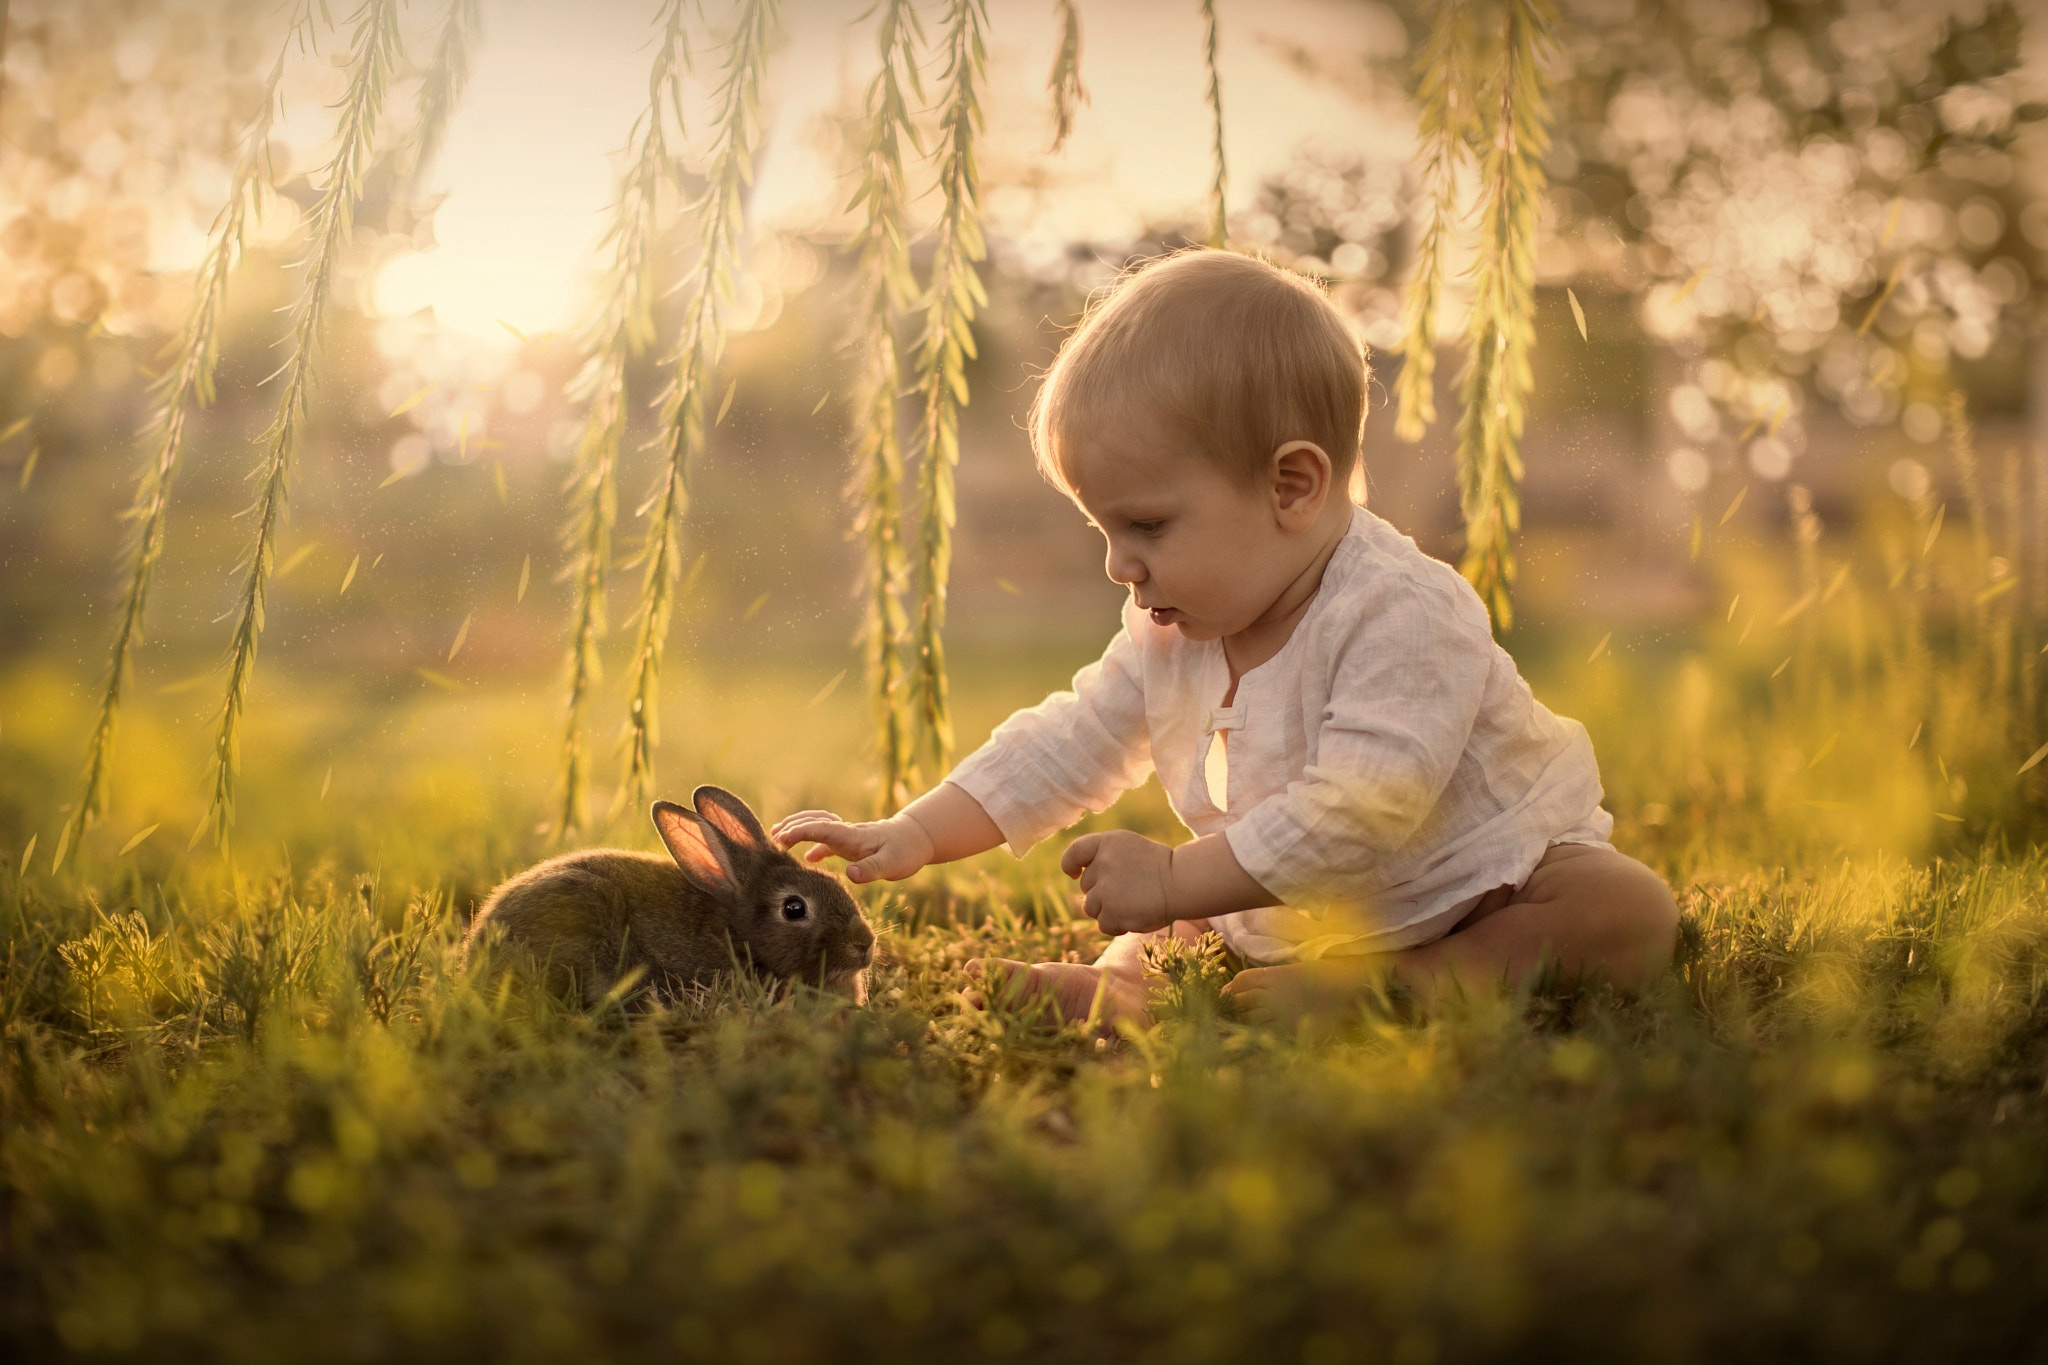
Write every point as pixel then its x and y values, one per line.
pixel 252 1106
pixel 251 1110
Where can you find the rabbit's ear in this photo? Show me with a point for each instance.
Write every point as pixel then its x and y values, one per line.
pixel 730 816
pixel 695 848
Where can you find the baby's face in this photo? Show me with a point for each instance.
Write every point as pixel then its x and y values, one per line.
pixel 1200 552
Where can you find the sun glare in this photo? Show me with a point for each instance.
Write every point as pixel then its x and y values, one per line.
pixel 482 289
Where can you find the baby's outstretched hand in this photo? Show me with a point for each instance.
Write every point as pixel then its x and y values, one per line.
pixel 890 849
pixel 1125 877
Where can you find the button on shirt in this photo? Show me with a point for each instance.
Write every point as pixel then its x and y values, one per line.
pixel 1380 773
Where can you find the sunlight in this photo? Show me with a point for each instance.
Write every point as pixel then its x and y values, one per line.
pixel 529 168
pixel 471 293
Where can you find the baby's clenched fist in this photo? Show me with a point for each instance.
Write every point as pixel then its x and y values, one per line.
pixel 1126 880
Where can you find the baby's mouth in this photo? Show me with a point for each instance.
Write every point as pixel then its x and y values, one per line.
pixel 1164 616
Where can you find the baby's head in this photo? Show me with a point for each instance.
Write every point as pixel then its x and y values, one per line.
pixel 1206 415
pixel 1227 356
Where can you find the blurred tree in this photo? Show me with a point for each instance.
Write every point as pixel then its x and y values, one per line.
pixel 1832 201
pixel 120 122
pixel 1828 196
pixel 1828 200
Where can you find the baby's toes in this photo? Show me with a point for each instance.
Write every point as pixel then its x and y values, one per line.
pixel 971 995
pixel 995 976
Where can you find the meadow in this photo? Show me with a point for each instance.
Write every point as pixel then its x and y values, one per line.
pixel 252 1109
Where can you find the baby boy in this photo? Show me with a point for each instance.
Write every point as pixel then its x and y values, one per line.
pixel 1373 791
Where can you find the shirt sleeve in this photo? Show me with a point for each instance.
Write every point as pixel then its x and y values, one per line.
pixel 1407 678
pixel 1076 751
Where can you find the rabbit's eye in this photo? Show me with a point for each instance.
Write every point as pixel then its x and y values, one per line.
pixel 793 908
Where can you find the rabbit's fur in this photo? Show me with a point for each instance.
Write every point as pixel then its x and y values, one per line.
pixel 726 895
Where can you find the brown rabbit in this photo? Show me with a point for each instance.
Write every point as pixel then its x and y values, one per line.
pixel 729 896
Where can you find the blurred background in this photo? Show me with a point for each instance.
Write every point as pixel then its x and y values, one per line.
pixel 1793 232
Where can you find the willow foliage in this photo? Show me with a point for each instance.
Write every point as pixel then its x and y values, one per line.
pixel 1220 179
pixel 699 347
pixel 1483 92
pixel 441 88
pixel 1068 94
pixel 1445 129
pixel 185 385
pixel 371 57
pixel 887 289
pixel 1494 392
pixel 953 296
pixel 623 329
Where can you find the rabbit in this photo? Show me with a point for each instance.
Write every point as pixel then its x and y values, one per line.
pixel 728 895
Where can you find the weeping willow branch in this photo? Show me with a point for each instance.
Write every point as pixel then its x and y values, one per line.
pixel 370 61
pixel 699 347
pixel 1065 82
pixel 1495 389
pixel 1444 134
pixel 1218 227
pixel 623 329
pixel 441 90
pixel 953 295
pixel 186 384
pixel 887 287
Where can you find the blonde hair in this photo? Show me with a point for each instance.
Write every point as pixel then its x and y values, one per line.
pixel 1234 356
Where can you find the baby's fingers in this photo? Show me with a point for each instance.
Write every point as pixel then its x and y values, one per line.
pixel 829 833
pixel 1254 1003
pixel 1079 854
pixel 1249 982
pixel 1254 998
pixel 785 831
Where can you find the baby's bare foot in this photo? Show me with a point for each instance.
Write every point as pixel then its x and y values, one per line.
pixel 1077 991
pixel 1289 994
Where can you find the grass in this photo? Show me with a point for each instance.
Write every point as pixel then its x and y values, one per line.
pixel 251 1109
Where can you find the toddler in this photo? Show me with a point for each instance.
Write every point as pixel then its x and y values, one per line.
pixel 1372 788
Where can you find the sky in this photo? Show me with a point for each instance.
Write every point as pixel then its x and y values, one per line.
pixel 530 161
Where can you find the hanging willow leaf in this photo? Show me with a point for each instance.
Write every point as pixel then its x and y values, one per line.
pixel 699 347
pixel 1068 94
pixel 187 384
pixel 887 288
pixel 624 328
pixel 441 89
pixel 1218 227
pixel 1495 391
pixel 372 54
pixel 952 295
pixel 1444 73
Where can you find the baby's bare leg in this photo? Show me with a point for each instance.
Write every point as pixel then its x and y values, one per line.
pixel 1111 988
pixel 1589 911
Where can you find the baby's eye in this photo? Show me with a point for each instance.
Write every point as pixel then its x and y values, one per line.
pixel 1147 528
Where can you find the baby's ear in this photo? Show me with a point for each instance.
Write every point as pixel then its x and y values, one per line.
pixel 732 818
pixel 1301 480
pixel 695 849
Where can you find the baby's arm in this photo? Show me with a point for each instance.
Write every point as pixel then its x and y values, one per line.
pixel 942 826
pixel 1042 767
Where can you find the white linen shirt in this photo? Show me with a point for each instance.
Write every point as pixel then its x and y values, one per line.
pixel 1385 769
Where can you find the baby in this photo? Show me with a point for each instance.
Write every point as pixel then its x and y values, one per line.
pixel 1373 791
